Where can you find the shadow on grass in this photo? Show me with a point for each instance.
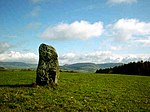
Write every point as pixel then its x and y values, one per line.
pixel 33 85
pixel 18 85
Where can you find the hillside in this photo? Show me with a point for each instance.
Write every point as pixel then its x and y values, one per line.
pixel 82 67
pixel 90 67
pixel 19 65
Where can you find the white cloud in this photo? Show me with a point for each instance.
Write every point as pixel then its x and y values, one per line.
pixel 69 58
pixel 145 41
pixel 78 29
pixel 4 46
pixel 125 29
pixel 101 57
pixel 19 57
pixel 116 48
pixel 121 1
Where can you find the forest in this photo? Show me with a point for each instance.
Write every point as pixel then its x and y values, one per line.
pixel 132 68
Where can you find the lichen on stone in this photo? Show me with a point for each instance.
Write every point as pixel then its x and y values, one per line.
pixel 48 66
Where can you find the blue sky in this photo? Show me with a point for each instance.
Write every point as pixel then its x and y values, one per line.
pixel 98 31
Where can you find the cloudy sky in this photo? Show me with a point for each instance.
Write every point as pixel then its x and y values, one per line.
pixel 98 31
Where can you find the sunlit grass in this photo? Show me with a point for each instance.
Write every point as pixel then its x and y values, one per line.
pixel 75 92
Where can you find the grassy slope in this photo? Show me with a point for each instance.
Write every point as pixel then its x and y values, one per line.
pixel 76 92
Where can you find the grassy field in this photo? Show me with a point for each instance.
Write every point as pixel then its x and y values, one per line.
pixel 76 92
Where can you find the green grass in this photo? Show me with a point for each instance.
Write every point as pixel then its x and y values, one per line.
pixel 76 92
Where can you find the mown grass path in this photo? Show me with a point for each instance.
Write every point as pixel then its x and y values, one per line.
pixel 76 92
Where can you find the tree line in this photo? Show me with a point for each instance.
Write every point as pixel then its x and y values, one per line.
pixel 132 68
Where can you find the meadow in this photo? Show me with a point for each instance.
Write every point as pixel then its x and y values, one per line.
pixel 75 92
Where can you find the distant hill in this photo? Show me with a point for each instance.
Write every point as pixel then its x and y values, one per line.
pixel 89 67
pixel 82 67
pixel 19 65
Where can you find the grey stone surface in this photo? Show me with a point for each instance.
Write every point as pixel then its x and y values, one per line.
pixel 48 66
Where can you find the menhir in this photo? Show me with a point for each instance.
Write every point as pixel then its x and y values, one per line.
pixel 48 66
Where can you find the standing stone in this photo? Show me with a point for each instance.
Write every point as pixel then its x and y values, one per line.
pixel 48 67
